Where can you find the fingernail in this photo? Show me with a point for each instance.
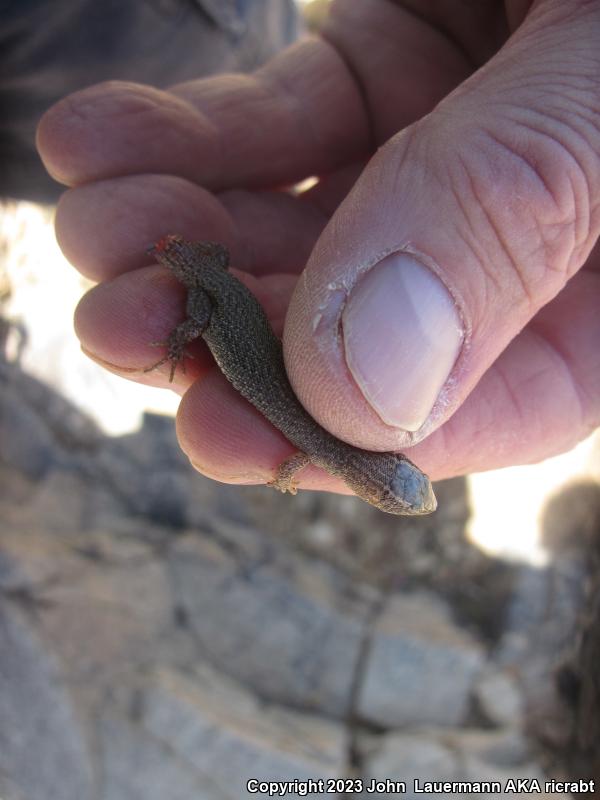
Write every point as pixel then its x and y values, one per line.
pixel 402 335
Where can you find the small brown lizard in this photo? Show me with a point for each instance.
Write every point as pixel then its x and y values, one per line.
pixel 232 322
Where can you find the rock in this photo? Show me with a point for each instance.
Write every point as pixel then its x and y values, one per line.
pixel 289 628
pixel 109 618
pixel 43 749
pixel 102 603
pixel 32 454
pixel 200 735
pixel 149 472
pixel 500 699
pixel 135 766
pixel 123 573
pixel 57 504
pixel 442 755
pixel 498 748
pixel 475 770
pixel 420 668
pixel 212 723
pixel 407 757
pixel 542 631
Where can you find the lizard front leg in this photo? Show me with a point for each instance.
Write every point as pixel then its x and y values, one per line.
pixel 199 309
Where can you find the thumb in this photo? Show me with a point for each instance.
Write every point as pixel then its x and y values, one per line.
pixel 458 231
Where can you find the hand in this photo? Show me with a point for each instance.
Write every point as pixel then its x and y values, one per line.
pixel 453 294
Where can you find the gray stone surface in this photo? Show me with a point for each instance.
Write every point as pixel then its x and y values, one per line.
pixel 135 766
pixel 228 735
pixel 443 755
pixel 293 634
pixel 505 748
pixel 421 666
pixel 500 698
pixel 540 637
pixel 200 735
pixel 165 636
pixel 407 757
pixel 43 751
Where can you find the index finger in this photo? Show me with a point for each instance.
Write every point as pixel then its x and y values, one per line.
pixel 272 128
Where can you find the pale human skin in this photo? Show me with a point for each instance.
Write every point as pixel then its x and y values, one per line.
pixel 487 173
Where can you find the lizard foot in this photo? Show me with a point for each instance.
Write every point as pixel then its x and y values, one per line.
pixel 175 355
pixel 286 471
pixel 187 331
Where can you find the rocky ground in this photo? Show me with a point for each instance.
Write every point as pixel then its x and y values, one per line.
pixel 162 635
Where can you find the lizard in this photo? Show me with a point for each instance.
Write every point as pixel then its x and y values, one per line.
pixel 225 313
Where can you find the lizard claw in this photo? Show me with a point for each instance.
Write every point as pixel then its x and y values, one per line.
pixel 283 486
pixel 286 472
pixel 174 362
pixel 174 359
pixel 154 366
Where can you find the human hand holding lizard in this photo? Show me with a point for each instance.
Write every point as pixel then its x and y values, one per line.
pixel 435 303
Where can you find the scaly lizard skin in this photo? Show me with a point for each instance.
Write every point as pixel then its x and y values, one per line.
pixel 233 324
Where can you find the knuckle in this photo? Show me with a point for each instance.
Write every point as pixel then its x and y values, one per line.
pixel 531 206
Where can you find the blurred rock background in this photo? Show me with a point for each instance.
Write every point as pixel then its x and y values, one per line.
pixel 162 635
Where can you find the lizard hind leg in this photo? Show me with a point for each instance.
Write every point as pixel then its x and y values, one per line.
pixel 287 471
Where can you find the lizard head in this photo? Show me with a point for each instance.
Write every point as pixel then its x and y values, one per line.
pixel 183 257
pixel 408 491
pixel 411 490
